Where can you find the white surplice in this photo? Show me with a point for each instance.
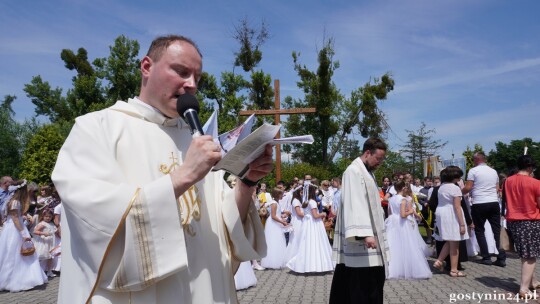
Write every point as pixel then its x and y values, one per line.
pixel 125 237
pixel 360 215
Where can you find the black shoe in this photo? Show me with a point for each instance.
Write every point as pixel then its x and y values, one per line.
pixel 500 263
pixel 486 262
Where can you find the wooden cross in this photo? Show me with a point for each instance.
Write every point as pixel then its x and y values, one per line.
pixel 277 112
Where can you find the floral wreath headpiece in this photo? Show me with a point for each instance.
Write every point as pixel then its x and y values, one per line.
pixel 17 187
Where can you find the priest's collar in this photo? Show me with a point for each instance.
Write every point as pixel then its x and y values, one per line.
pixel 150 113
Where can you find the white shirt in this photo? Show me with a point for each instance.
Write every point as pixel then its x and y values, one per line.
pixel 392 191
pixel 485 184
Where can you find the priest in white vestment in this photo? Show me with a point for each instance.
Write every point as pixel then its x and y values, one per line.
pixel 145 219
pixel 360 248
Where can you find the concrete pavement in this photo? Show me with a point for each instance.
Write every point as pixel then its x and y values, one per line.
pixel 283 286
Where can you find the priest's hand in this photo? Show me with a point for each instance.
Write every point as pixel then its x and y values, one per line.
pixel 370 242
pixel 261 166
pixel 202 155
pixel 258 169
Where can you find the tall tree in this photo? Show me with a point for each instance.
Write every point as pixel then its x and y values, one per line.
pixel 40 154
pixel 350 149
pixel 14 137
pixel 321 93
pixel 361 112
pixel 120 70
pixel 236 92
pixel 420 145
pixel 7 104
pixel 94 86
pixel 9 149
pixel 250 40
pixel 336 117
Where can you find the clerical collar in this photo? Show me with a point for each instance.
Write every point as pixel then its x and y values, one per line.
pixel 152 114
pixel 146 105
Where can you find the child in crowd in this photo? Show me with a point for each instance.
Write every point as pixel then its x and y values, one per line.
pixel 44 239
pixel 407 248
pixel 274 233
pixel 296 222
pixel 18 272
pixel 314 253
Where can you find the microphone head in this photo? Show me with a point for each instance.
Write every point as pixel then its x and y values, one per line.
pixel 186 101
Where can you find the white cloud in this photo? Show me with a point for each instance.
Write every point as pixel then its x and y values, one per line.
pixel 469 75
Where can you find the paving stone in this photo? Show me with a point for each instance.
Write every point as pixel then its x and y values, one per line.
pixel 283 286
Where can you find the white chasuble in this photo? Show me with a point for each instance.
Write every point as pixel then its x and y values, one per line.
pixel 126 238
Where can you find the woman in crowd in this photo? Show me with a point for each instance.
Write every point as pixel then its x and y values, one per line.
pixel 314 253
pixel 18 272
pixel 274 233
pixel 450 223
pixel 387 184
pixel 521 193
pixel 264 198
pixel 32 215
pixel 407 248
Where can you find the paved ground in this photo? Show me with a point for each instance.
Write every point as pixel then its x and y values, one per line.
pixel 282 286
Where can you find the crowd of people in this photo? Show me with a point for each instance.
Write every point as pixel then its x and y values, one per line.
pixel 300 218
pixel 298 225
pixel 455 215
pixel 30 234
pixel 154 223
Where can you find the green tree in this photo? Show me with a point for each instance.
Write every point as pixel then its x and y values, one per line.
pixel 336 117
pixel 250 40
pixel 321 93
pixel 350 149
pixel 120 70
pixel 94 86
pixel 234 92
pixel 40 154
pixel 504 157
pixel 393 163
pixel 14 137
pixel 7 104
pixel 9 149
pixel 360 112
pixel 227 96
pixel 420 145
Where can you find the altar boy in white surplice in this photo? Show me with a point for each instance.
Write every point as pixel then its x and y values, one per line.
pixel 145 219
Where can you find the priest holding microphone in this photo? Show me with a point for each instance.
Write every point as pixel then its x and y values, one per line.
pixel 146 221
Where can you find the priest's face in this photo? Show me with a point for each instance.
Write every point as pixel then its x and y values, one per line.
pixel 374 159
pixel 178 71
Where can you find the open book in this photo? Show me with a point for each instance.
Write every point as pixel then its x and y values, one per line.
pixel 240 148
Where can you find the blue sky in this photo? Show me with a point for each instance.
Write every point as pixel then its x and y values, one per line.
pixel 468 69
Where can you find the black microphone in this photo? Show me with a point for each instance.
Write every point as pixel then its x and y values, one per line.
pixel 187 106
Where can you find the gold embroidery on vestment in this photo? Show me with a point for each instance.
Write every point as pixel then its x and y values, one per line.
pixel 189 202
pixel 190 208
pixel 137 214
pixel 109 245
